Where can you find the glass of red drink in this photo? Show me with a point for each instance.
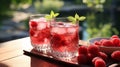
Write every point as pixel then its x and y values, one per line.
pixel 39 30
pixel 64 39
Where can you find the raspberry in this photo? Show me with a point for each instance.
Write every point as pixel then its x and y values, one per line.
pixel 102 40
pixel 103 55
pixel 93 49
pixel 119 45
pixel 82 50
pixel 60 23
pixel 32 33
pixel 115 41
pixel 94 59
pixel 107 43
pixel 57 39
pixel 115 36
pixel 90 57
pixel 97 43
pixel 82 59
pixel 33 23
pixel 116 55
pixel 99 63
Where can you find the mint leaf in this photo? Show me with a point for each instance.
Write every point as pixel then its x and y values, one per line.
pixel 72 19
pixel 82 18
pixel 52 15
pixel 56 14
pixel 76 18
pixel 48 17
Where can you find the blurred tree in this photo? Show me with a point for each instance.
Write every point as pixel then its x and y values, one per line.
pixel 45 6
pixel 8 6
pixel 95 4
pixel 99 21
pixel 4 6
pixel 78 1
pixel 17 4
pixel 115 14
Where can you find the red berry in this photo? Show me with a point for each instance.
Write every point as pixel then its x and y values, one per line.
pixel 103 55
pixel 82 59
pixel 107 43
pixel 99 63
pixel 90 57
pixel 32 33
pixel 33 23
pixel 82 50
pixel 60 23
pixel 116 55
pixel 94 59
pixel 93 49
pixel 115 36
pixel 115 41
pixel 102 40
pixel 119 45
pixel 97 43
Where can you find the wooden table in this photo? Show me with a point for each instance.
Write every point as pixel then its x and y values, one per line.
pixel 11 55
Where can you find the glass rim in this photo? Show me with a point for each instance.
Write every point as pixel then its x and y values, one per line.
pixel 64 19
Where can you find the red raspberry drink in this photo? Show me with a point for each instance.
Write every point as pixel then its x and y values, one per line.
pixel 39 33
pixel 64 40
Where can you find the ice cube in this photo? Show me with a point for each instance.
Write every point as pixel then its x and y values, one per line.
pixel 36 33
pixel 42 19
pixel 41 25
pixel 71 29
pixel 59 30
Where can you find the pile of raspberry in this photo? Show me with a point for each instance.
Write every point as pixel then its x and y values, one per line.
pixel 92 55
pixel 114 41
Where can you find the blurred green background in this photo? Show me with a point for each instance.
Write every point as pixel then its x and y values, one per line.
pixel 102 16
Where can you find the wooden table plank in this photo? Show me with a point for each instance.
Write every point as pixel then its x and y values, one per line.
pixel 25 61
pixel 20 61
pixel 14 48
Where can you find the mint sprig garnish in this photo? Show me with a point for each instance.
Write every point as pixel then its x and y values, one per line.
pixel 76 18
pixel 52 15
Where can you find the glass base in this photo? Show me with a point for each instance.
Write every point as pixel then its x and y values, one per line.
pixel 65 56
pixel 44 48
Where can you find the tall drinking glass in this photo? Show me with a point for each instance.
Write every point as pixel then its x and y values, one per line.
pixel 39 30
pixel 64 39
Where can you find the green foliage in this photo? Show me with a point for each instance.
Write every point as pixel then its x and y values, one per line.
pixel 17 4
pixel 108 3
pixel 99 25
pixel 5 6
pixel 78 1
pixel 104 31
pixel 95 4
pixel 26 23
pixel 46 6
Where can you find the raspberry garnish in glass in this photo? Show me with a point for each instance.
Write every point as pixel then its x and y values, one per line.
pixel 65 37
